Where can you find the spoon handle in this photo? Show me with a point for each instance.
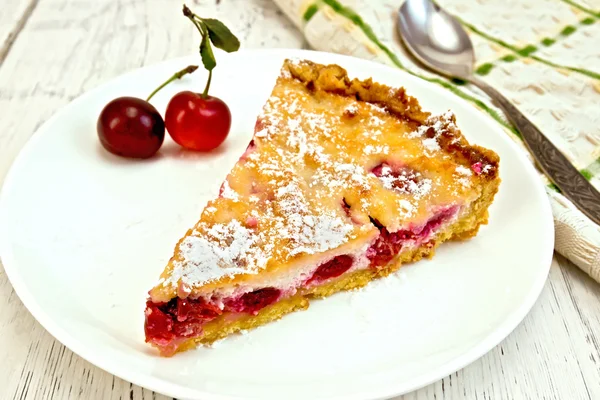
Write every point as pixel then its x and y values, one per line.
pixel 556 166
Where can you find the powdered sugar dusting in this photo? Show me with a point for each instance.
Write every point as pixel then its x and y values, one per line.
pixel 376 107
pixel 309 233
pixel 321 233
pixel 419 132
pixel 406 207
pixel 306 156
pixel 215 252
pixel 462 170
pixel 228 192
pixel 431 145
pixel 352 109
pixel 406 182
pixel 375 121
pixel 464 175
pixel 432 129
pixel 381 149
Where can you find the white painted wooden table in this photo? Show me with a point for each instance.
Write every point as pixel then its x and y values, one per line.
pixel 51 51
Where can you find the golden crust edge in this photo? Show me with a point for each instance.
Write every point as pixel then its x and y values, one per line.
pixel 334 79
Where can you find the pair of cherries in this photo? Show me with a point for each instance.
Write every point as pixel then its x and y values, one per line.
pixel 132 127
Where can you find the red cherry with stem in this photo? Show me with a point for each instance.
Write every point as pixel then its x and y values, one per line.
pixel 132 127
pixel 197 122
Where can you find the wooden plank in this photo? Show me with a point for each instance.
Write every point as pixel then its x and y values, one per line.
pixel 13 18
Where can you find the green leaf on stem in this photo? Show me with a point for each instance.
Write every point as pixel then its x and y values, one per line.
pixel 208 57
pixel 220 35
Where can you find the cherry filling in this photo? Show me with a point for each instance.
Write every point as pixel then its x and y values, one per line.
pixel 183 318
pixel 259 125
pixel 389 244
pixel 159 325
pixel 346 208
pixel 196 310
pixel 399 178
pixel 177 318
pixel 435 222
pixel 331 269
pixel 252 302
pixel 251 147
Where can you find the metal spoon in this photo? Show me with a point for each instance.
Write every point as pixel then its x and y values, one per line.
pixel 440 42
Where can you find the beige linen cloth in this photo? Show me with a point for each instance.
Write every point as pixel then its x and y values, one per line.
pixel 544 55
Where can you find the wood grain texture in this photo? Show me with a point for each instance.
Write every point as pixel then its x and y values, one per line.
pixel 65 48
pixel 13 17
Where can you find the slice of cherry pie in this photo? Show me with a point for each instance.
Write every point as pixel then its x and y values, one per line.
pixel 344 181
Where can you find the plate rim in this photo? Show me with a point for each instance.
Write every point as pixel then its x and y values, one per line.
pixel 161 385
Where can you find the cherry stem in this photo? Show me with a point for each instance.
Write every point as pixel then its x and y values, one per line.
pixel 197 21
pixel 178 75
pixel 205 93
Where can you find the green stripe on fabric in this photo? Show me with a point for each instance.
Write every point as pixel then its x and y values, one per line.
pixel 310 12
pixel 587 174
pixel 587 21
pixel 484 69
pixel 487 36
pixel 548 41
pixel 368 31
pixel 582 8
pixel 568 30
pixel 553 187
pixel 528 50
pixel 581 71
pixel 592 170
pixel 594 166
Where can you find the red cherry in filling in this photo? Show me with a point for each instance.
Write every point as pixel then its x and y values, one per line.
pixel 332 268
pixel 131 127
pixel 402 179
pixel 477 168
pixel 387 246
pixel 252 302
pixel 196 310
pixel 159 325
pixel 197 122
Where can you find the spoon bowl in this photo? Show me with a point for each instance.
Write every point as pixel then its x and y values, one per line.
pixel 436 38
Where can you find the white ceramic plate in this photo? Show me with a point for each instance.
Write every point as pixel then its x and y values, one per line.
pixel 85 234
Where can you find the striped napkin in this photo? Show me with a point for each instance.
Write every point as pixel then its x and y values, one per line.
pixel 543 55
